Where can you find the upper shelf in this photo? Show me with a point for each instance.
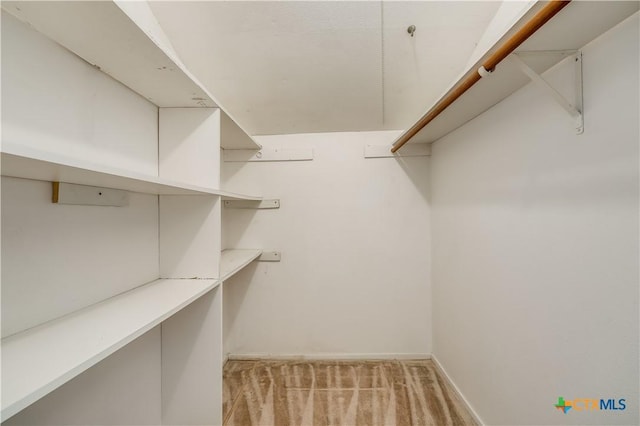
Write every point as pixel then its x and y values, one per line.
pixel 40 359
pixel 30 163
pixel 124 40
pixel 571 29
pixel 103 34
pixel 233 261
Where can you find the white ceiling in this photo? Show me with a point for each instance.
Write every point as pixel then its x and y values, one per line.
pixel 322 66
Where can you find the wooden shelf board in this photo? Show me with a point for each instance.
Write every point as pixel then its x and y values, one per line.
pixel 39 360
pixel 29 163
pixel 234 260
pixel 574 27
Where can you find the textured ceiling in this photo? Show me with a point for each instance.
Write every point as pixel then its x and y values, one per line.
pixel 322 66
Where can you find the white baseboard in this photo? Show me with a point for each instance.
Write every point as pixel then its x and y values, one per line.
pixel 327 356
pixel 453 386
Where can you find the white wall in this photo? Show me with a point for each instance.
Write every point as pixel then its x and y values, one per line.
pixel 354 237
pixel 61 258
pixel 535 247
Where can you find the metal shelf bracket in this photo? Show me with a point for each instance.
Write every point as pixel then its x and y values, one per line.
pixel 574 109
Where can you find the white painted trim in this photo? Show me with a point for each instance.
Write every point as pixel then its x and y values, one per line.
pixel 327 356
pixel 455 388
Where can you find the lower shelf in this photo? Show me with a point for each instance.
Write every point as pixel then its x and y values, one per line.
pixel 38 360
pixel 233 261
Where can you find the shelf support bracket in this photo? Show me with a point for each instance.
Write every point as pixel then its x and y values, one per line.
pixel 249 204
pixel 267 154
pixel 84 195
pixel 574 110
pixel 269 256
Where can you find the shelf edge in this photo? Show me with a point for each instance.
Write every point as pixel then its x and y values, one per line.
pixel 252 254
pixel 131 181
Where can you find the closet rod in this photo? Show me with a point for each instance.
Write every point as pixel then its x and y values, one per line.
pixel 540 18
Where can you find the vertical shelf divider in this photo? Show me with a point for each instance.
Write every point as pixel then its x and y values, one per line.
pixel 190 226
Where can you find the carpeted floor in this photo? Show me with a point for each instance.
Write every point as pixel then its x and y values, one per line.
pixel 346 393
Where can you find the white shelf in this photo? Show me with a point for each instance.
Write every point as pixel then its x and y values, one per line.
pixel 124 40
pixel 29 163
pixel 233 261
pixel 226 195
pixel 39 360
pixel 103 34
pixel 572 28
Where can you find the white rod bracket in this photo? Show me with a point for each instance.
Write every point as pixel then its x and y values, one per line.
pixel 484 72
pixel 574 109
pixel 250 204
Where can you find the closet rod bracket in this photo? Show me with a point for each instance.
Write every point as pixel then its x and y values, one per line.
pixel 573 108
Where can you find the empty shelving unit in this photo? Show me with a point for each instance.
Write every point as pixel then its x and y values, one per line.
pixel 129 119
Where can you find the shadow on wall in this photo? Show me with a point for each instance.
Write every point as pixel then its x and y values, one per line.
pixel 229 169
pixel 415 171
pixel 235 290
pixel 238 220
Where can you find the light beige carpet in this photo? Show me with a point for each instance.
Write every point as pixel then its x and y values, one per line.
pixel 346 393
